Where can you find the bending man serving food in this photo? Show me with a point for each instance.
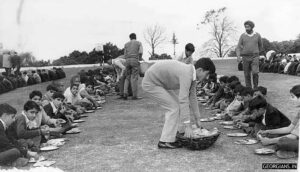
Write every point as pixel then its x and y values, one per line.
pixel 172 85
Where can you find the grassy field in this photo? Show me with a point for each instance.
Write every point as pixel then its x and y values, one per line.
pixel 123 135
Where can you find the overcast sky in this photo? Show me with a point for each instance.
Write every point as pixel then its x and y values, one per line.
pixel 53 28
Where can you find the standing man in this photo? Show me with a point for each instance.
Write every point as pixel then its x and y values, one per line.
pixel 133 51
pixel 186 57
pixel 249 46
pixel 161 83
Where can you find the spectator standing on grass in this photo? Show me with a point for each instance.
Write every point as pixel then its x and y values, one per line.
pixel 186 57
pixel 133 51
pixel 249 46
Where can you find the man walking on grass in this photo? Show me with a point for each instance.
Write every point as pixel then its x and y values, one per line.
pixel 249 47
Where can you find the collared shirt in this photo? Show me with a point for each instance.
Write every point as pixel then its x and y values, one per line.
pixel 183 58
pixel 30 124
pixel 264 118
pixel 53 107
pixel 194 73
pixel 4 125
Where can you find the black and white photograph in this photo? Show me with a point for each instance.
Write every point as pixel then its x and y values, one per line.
pixel 149 85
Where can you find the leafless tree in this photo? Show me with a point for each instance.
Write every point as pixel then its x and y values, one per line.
pixel 154 36
pixel 174 41
pixel 222 30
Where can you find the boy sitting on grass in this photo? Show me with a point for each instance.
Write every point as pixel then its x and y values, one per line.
pixel 246 114
pixel 11 152
pixel 268 117
pixel 43 119
pixel 26 128
pixel 219 94
pixel 55 109
pixel 47 98
pixel 288 143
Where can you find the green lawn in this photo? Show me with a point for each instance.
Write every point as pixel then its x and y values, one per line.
pixel 123 135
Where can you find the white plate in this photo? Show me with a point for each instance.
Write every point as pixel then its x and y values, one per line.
pixel 44 164
pixel 237 134
pixel 55 142
pixel 246 142
pixel 264 151
pixel 99 107
pixel 90 111
pixel 226 122
pixel 207 119
pixel 62 121
pixel 49 148
pixel 73 131
pixel 83 116
pixel 78 121
pixel 230 127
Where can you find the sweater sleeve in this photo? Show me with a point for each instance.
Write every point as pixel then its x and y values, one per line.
pixel 239 46
pixel 5 144
pixel 46 119
pixel 184 93
pixel 23 132
pixel 260 44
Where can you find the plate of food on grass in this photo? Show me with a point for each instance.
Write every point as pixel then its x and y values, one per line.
pixel 246 142
pixel 226 122
pixel 237 134
pixel 264 151
pixel 83 116
pixel 56 142
pixel 49 148
pixel 73 131
pixel 230 127
pixel 44 163
pixel 78 121
pixel 207 119
pixel 89 111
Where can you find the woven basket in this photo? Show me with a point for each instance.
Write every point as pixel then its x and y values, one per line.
pixel 197 143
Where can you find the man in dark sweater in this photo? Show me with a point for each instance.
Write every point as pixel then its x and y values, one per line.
pixel 249 46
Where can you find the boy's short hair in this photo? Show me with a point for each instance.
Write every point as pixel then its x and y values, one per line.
pixel 239 89
pixel 257 102
pixel 52 88
pixel 35 93
pixel 74 85
pixel 247 91
pixel 72 80
pixel 190 47
pixel 6 108
pixel 212 77
pixel 296 90
pixel 89 82
pixel 232 78
pixel 206 64
pixel 223 79
pixel 132 36
pixel 58 95
pixel 31 105
pixel 261 89
pixel 233 84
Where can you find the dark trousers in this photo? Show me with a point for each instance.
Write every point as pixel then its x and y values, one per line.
pixel 288 144
pixel 251 66
pixel 9 156
pixel 132 76
pixel 121 84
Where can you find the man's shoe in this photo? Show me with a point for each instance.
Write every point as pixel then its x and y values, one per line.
pixel 136 98
pixel 125 96
pixel 168 145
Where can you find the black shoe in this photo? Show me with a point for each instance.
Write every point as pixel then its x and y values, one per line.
pixel 136 98
pixel 168 145
pixel 125 96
